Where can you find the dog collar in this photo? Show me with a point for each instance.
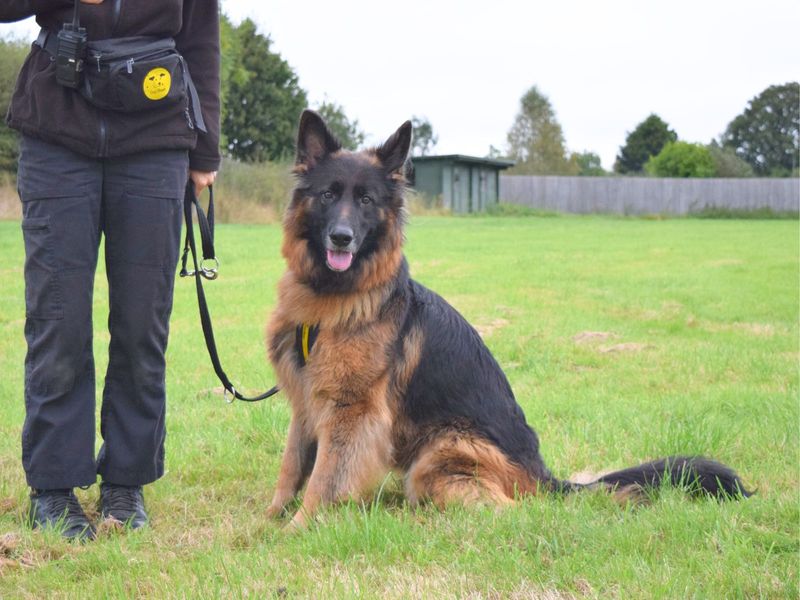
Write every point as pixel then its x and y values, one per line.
pixel 305 336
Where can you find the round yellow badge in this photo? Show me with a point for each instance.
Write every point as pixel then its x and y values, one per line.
pixel 156 83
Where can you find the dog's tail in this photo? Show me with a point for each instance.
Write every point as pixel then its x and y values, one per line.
pixel 695 474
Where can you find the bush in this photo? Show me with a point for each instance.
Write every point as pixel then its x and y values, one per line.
pixel 648 139
pixel 507 209
pixel 252 192
pixel 727 163
pixel 588 164
pixel 722 212
pixel 12 55
pixel 681 159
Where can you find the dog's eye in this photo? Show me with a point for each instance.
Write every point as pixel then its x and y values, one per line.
pixel 327 195
pixel 366 199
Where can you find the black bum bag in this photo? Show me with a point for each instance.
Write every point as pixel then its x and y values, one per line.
pixel 132 74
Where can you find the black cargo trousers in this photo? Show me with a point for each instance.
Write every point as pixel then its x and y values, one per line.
pixel 68 202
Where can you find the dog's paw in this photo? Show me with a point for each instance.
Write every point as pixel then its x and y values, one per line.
pixel 274 512
pixel 293 527
pixel 298 523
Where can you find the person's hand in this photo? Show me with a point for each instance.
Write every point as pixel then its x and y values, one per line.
pixel 91 1
pixel 201 179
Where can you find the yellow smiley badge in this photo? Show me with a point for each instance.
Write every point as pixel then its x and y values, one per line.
pixel 156 83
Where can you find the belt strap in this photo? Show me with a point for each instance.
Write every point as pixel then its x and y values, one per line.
pixel 47 42
pixel 200 271
pixel 194 98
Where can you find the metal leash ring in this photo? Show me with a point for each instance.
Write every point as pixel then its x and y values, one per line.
pixel 229 397
pixel 209 273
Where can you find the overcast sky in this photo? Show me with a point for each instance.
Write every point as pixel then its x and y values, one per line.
pixel 464 65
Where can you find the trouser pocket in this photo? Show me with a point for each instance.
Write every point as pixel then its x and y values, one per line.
pixel 143 229
pixel 43 294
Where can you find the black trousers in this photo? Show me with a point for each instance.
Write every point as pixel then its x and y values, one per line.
pixel 68 202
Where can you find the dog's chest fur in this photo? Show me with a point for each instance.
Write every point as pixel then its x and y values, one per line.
pixel 349 364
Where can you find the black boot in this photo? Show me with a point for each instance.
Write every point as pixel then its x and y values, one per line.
pixel 123 503
pixel 60 509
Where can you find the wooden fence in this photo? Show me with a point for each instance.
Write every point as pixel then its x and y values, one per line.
pixel 648 195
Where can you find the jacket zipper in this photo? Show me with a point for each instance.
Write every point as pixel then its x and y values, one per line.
pixel 116 9
pixel 103 136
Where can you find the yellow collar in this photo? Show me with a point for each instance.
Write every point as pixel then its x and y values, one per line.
pixel 305 336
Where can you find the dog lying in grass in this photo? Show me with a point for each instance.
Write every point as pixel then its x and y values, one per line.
pixel 383 374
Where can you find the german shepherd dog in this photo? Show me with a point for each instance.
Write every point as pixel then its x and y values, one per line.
pixel 383 374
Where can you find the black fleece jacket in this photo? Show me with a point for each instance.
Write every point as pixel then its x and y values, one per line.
pixel 42 108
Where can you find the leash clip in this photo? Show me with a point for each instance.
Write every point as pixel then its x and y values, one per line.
pixel 184 271
pixel 210 273
pixel 229 397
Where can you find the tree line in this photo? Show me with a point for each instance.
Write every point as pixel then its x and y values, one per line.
pixel 762 141
pixel 262 97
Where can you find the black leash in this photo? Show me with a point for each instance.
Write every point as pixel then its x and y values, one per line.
pixel 201 271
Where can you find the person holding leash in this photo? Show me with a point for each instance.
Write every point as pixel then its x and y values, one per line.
pixel 117 104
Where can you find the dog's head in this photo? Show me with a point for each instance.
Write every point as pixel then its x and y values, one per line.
pixel 343 228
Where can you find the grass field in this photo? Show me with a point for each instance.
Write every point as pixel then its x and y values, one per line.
pixel 693 349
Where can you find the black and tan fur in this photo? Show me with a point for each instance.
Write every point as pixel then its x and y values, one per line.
pixel 396 378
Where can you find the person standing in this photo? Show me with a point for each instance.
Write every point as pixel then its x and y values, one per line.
pixel 89 169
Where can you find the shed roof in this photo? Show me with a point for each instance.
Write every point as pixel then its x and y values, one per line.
pixel 492 162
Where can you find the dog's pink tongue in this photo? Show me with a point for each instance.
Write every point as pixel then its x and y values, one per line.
pixel 339 261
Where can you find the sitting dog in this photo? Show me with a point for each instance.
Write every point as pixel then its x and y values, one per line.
pixel 382 374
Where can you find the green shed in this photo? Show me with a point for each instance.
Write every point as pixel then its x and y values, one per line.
pixel 464 183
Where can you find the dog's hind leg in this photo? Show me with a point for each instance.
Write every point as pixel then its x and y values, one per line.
pixel 353 454
pixel 296 464
pixel 464 469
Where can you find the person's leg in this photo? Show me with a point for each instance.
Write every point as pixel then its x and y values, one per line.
pixel 61 215
pixel 142 200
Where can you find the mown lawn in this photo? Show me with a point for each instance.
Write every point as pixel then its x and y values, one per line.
pixel 694 349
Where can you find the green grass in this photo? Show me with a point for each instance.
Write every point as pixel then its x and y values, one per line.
pixel 700 356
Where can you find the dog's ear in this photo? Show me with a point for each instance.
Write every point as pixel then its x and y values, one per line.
pixel 314 140
pixel 394 151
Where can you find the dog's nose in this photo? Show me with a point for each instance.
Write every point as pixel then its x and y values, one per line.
pixel 341 236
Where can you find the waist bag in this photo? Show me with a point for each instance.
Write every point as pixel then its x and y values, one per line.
pixel 132 74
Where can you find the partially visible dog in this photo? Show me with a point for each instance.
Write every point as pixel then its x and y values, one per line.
pixel 382 374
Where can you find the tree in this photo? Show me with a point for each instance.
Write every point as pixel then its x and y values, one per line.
pixel 535 140
pixel 766 133
pixel 727 163
pixel 12 55
pixel 645 141
pixel 263 100
pixel 681 159
pixel 424 139
pixel 345 130
pixel 495 153
pixel 588 164
pixel 231 69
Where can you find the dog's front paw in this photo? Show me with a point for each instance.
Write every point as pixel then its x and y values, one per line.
pixel 298 523
pixel 292 527
pixel 274 511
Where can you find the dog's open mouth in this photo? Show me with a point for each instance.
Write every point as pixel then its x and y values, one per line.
pixel 339 261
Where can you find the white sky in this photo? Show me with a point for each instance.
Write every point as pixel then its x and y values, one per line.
pixel 464 65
